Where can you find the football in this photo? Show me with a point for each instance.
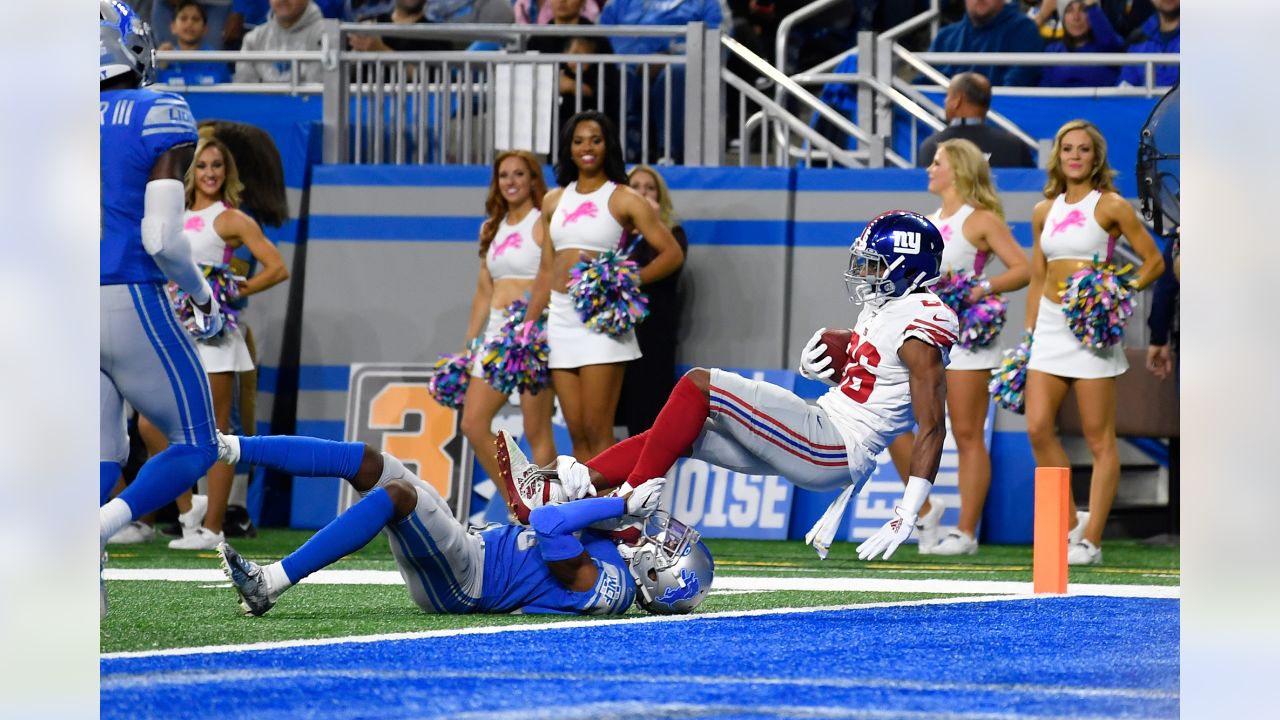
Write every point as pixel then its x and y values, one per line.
pixel 837 343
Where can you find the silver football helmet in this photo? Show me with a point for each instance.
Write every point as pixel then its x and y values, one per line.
pixel 125 43
pixel 672 567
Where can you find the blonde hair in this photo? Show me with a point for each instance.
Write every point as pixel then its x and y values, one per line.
pixel 666 213
pixel 231 185
pixel 971 175
pixel 495 203
pixel 1101 177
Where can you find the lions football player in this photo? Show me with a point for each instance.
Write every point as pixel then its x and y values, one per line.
pixel 146 357
pixel 554 566
pixel 897 354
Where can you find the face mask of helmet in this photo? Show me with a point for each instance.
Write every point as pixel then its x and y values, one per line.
pixel 865 279
pixel 125 44
pixel 671 566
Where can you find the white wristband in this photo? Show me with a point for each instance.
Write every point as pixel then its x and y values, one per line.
pixel 916 493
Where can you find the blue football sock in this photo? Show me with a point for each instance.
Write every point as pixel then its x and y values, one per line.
pixel 344 535
pixel 305 456
pixel 108 475
pixel 166 476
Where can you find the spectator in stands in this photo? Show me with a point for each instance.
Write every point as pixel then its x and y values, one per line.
pixel 543 12
pixel 1044 13
pixel 404 12
pixel 1087 29
pixel 570 12
pixel 966 105
pixel 163 13
pixel 1126 16
pixel 643 12
pixel 1159 34
pixel 292 25
pixel 1163 320
pixel 245 15
pixel 563 12
pixel 189 26
pixel 991 26
pixel 651 377
pixel 1079 220
pixel 470 11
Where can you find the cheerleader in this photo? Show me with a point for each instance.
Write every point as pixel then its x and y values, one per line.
pixel 1079 220
pixel 511 241
pixel 592 212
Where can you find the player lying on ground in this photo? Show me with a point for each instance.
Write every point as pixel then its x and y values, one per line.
pixel 548 568
pixel 895 369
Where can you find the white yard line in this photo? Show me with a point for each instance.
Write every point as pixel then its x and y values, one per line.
pixel 734 583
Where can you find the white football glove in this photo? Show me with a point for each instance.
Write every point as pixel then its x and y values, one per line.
pixel 206 325
pixel 643 499
pixel 575 478
pixel 815 363
pixel 889 536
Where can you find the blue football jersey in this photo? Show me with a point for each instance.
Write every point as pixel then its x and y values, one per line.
pixel 517 578
pixel 135 128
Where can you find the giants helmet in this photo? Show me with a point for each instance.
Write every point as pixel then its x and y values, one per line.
pixel 898 252
pixel 124 43
pixel 672 567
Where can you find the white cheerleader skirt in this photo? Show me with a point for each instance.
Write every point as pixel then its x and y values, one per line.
pixel 983 358
pixel 572 344
pixel 225 353
pixel 497 316
pixel 1056 350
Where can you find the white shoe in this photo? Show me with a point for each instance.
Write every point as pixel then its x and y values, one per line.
pixel 1075 534
pixel 228 449
pixel 202 539
pixel 193 519
pixel 1084 553
pixel 957 542
pixel 135 533
pixel 928 527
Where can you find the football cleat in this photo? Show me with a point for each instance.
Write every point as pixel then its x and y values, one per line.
pixel 249 580
pixel 528 486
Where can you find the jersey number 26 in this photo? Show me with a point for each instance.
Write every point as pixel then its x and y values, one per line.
pixel 858 381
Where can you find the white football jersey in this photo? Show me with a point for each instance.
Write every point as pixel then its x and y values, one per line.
pixel 872 404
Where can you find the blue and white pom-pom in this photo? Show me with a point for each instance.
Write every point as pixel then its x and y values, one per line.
pixel 1098 301
pixel 981 321
pixel 606 293
pixel 515 360
pixel 222 282
pixel 1009 381
pixel 448 384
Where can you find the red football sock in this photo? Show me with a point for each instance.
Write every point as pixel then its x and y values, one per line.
pixel 615 464
pixel 673 432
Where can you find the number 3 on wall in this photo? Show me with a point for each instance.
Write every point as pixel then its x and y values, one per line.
pixel 423 447
pixel 858 381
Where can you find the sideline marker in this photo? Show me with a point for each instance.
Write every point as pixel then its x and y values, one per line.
pixel 1049 553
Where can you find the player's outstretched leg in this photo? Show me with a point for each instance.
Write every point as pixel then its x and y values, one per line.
pixel 355 462
pixel 261 586
pixel 676 427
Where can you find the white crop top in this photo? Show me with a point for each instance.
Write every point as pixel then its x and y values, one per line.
pixel 207 247
pixel 513 254
pixel 958 253
pixel 583 222
pixel 1071 231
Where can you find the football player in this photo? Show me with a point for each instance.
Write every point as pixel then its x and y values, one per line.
pixel 897 353
pixel 554 566
pixel 146 356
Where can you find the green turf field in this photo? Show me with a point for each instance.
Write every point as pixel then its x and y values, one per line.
pixel 161 614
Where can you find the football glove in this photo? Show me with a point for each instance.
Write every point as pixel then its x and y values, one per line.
pixel 815 363
pixel 641 500
pixel 206 324
pixel 575 478
pixel 889 536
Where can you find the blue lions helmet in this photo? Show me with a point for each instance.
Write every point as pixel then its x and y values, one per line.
pixel 672 567
pixel 124 43
pixel 898 252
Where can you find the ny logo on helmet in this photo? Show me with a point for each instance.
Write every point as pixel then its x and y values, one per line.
pixel 906 242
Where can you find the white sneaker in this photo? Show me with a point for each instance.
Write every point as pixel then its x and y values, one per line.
pixel 1084 553
pixel 928 527
pixel 135 533
pixel 228 449
pixel 1075 534
pixel 193 519
pixel 202 539
pixel 957 542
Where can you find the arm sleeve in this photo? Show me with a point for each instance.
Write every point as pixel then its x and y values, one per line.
pixel 163 238
pixel 556 524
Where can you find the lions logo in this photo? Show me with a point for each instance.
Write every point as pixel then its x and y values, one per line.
pixel 688 588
